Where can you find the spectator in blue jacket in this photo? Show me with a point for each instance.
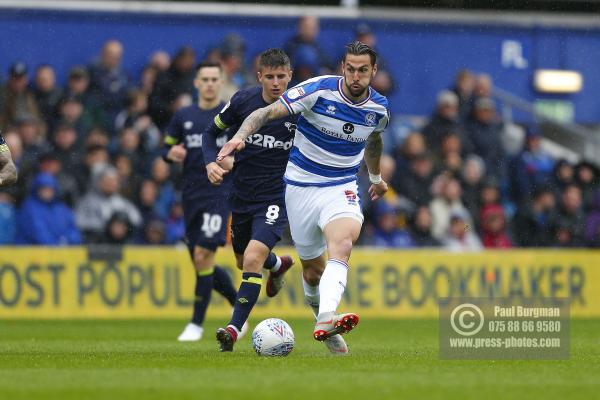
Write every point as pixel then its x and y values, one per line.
pixel 108 80
pixel 43 219
pixel 534 167
pixel 387 232
pixel 7 219
pixel 484 130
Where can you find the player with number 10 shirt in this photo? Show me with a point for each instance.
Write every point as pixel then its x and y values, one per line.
pixel 205 210
pixel 257 198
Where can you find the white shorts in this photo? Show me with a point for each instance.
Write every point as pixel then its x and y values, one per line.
pixel 311 208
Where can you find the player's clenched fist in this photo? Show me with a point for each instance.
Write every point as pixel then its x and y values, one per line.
pixel 177 153
pixel 377 190
pixel 230 147
pixel 215 173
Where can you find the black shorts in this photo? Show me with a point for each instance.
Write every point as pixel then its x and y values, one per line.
pixel 263 222
pixel 206 223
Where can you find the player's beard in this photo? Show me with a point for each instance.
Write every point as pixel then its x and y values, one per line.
pixel 356 92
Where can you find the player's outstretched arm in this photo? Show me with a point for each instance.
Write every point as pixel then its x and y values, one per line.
pixel 8 171
pixel 251 124
pixel 373 151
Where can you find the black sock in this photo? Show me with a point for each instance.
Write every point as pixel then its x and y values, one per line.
pixel 223 284
pixel 204 285
pixel 247 296
pixel 270 261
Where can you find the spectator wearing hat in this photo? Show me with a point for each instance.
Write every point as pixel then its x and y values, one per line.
pixel 17 102
pixel 306 35
pixel 45 220
pixel 443 121
pixel 71 111
pixel 533 167
pixel 50 164
pixel 101 202
pixel 532 222
pixel 47 93
pixel 493 227
pixel 108 80
pixel 78 83
pixel 67 148
pixel 119 230
pixel 173 88
pixel 387 233
pixel 484 130
pixel 459 235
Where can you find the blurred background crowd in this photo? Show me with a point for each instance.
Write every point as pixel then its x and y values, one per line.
pixel 90 166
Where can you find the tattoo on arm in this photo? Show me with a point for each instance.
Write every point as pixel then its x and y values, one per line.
pixel 258 118
pixel 373 151
pixel 8 171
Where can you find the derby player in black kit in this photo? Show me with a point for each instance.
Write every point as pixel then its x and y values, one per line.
pixel 205 206
pixel 257 197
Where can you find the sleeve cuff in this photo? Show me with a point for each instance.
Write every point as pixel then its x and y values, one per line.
pixel 287 106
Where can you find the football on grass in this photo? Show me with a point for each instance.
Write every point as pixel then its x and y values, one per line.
pixel 273 337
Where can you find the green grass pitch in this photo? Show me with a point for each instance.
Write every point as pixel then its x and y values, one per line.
pixel 390 360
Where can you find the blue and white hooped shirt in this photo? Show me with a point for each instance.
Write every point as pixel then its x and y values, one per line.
pixel 331 131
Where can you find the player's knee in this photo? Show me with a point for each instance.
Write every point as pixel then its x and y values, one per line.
pixel 253 262
pixel 341 248
pixel 203 259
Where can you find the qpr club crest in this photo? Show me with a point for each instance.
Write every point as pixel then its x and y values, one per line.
pixel 371 119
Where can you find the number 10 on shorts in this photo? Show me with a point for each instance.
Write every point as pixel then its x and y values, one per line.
pixel 272 214
pixel 211 224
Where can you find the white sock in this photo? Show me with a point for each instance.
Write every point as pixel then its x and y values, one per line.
pixel 332 285
pixel 311 293
pixel 277 265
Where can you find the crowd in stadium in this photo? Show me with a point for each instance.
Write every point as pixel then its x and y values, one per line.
pixel 91 167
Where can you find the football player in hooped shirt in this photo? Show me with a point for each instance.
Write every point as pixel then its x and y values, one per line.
pixel 340 124
pixel 205 207
pixel 257 197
